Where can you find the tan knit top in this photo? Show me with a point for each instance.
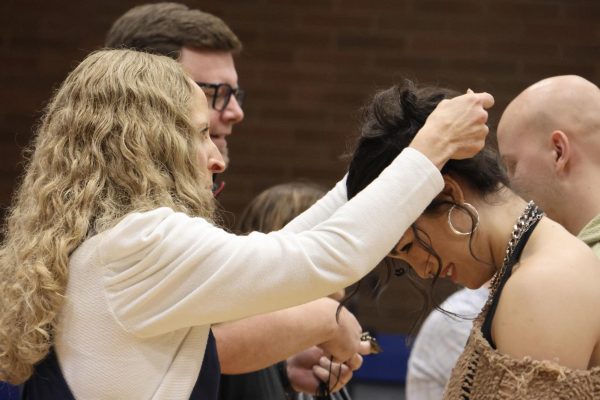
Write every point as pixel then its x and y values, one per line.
pixel 482 373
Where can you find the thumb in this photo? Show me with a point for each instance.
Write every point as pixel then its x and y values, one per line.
pixel 364 347
pixel 486 99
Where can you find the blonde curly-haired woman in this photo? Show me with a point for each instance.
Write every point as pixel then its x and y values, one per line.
pixel 112 269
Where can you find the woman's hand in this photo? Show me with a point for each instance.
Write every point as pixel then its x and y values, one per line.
pixel 455 129
pixel 344 341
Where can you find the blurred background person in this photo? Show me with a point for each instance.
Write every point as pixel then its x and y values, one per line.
pixel 439 343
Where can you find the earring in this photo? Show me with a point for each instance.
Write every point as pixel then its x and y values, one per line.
pixel 472 212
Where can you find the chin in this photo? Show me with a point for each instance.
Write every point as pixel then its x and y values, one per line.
pixel 472 286
pixel 472 283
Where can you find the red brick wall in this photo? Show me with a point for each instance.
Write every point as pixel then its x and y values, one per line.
pixel 307 66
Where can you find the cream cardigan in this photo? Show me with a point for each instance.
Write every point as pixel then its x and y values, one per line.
pixel 141 296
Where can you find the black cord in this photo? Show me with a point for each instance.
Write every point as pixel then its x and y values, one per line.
pixel 324 391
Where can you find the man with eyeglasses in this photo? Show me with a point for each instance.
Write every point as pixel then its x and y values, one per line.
pixel 202 43
pixel 205 46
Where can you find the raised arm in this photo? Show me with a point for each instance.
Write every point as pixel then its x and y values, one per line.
pixel 165 270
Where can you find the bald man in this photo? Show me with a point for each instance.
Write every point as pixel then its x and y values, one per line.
pixel 549 140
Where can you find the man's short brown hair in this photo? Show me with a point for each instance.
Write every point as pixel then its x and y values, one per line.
pixel 164 28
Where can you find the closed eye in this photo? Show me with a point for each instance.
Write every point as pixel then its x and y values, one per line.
pixel 406 247
pixel 397 251
pixel 204 133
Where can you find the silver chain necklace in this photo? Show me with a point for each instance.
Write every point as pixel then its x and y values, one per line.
pixel 530 215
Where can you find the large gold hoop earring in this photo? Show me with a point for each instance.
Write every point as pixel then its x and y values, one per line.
pixel 474 212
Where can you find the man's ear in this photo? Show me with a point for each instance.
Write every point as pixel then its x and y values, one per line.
pixel 561 151
pixel 452 190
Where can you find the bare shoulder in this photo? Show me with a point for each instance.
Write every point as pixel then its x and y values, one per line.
pixel 557 264
pixel 550 302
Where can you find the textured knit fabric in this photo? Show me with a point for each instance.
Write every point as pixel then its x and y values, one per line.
pixel 141 296
pixel 483 373
pixel 441 340
pixel 590 234
pixel 499 376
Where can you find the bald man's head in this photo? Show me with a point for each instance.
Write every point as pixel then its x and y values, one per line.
pixel 549 128
pixel 567 102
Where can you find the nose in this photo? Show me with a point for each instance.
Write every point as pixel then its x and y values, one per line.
pixel 233 113
pixel 422 269
pixel 420 261
pixel 216 163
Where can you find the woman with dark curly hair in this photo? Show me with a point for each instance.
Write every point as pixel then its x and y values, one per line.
pixel 538 336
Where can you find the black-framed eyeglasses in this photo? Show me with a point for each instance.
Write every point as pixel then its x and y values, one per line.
pixel 221 94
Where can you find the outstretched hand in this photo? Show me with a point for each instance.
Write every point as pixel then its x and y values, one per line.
pixel 455 129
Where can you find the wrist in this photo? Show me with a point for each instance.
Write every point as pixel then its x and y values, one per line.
pixel 437 154
pixel 433 148
pixel 329 323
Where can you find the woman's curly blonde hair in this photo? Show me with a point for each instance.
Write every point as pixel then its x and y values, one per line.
pixel 116 138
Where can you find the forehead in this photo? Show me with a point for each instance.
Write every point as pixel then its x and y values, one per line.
pixel 510 133
pixel 209 66
pixel 507 122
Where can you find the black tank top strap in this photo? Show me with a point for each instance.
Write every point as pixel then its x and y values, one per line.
pixel 486 327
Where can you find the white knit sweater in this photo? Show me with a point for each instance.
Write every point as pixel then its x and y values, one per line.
pixel 141 296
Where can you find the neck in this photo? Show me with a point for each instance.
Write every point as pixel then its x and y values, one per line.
pixel 499 217
pixel 578 207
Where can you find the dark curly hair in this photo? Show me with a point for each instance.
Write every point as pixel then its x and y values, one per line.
pixel 389 123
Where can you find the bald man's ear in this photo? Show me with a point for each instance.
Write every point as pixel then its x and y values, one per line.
pixel 561 150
